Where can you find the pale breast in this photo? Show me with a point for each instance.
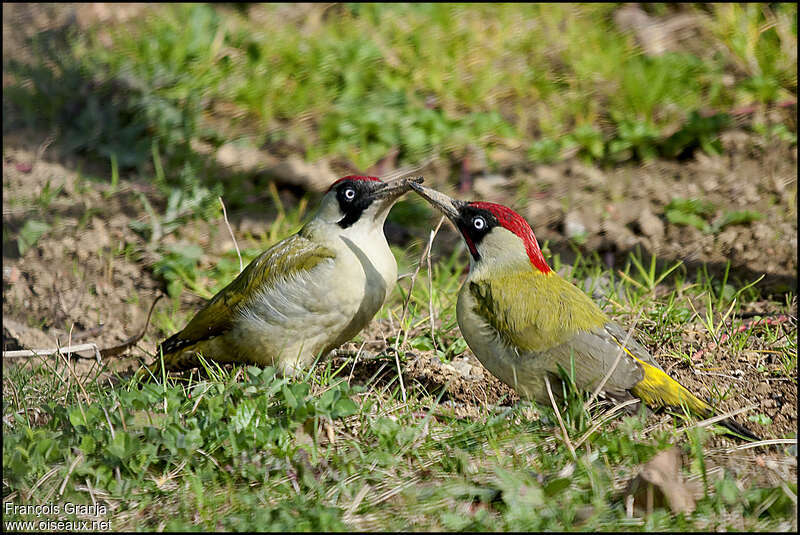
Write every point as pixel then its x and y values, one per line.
pixel 499 358
pixel 312 312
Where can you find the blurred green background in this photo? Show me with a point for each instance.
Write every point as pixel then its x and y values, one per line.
pixel 358 84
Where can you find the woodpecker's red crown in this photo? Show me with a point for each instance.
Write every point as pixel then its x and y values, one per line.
pixel 513 222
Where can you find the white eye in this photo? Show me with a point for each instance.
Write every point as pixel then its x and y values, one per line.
pixel 349 194
pixel 479 223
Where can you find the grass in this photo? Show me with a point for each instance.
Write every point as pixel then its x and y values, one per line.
pixel 242 448
pixel 342 449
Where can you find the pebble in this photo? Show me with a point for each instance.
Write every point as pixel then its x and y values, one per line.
pixel 462 367
pixel 650 224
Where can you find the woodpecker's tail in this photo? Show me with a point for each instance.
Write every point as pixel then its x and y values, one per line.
pixel 658 389
pixel 182 358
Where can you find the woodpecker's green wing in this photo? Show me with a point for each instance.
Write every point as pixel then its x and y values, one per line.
pixel 552 323
pixel 535 311
pixel 286 259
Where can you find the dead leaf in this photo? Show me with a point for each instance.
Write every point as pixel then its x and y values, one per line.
pixel 659 484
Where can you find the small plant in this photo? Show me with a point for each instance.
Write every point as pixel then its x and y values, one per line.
pixel 546 150
pixel 589 140
pixel 698 131
pixel 178 267
pixel 689 212
pixel 736 217
pixel 48 195
pixel 183 203
pixel 696 213
pixel 638 136
pixel 30 233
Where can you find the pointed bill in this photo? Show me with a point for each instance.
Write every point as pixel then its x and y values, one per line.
pixel 447 205
pixel 395 188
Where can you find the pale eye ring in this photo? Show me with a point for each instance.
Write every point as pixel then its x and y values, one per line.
pixel 349 194
pixel 479 223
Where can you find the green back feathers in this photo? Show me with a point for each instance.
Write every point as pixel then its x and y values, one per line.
pixel 284 260
pixel 534 311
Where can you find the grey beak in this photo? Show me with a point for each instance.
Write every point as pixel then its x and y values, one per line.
pixel 447 205
pixel 395 188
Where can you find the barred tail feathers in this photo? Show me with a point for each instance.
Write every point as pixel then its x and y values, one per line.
pixel 178 355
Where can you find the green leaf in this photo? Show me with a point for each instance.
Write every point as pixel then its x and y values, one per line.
pixel 288 395
pixel 328 399
pixel 682 218
pixel 243 416
pixel 422 343
pixel 344 407
pixel 556 486
pixel 739 217
pixel 545 150
pixel 728 491
pixel 691 206
pixel 457 347
pixel 88 444
pixel 31 231
pixel 253 372
pixel 689 212
pixel 76 417
pixel 121 446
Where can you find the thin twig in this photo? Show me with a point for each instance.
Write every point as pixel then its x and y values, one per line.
pixel 133 340
pixel 767 442
pixel 44 478
pixel 98 353
pixel 430 297
pixel 400 376
pixel 225 217
pixel 78 459
pixel 91 492
pixel 422 257
pixel 781 318
pixel 357 500
pixel 43 147
pixel 620 352
pixel 77 379
pixel 710 421
pixel 50 351
pixel 560 421
pixel 69 338
pixel 353 369
pixel 425 252
pixel 606 416
pixel 110 425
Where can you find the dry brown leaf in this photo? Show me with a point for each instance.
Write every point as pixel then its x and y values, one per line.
pixel 659 484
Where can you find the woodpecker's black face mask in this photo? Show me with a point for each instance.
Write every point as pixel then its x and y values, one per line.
pixel 474 224
pixel 354 197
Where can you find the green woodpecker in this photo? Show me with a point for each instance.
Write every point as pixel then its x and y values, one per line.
pixel 523 321
pixel 305 295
